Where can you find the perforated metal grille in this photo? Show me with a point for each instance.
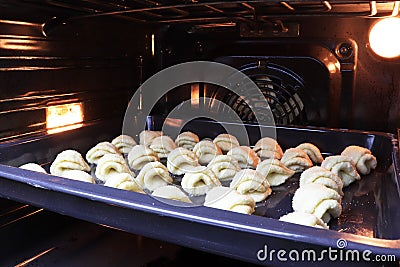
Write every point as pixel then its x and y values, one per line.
pixel 281 88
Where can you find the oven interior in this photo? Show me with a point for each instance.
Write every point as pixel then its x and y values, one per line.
pixel 311 60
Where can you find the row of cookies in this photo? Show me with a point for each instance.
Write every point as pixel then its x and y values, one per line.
pixel 320 193
pixel 108 158
pixel 256 184
pixel 225 166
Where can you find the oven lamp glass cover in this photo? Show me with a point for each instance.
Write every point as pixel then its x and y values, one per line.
pixel 60 118
pixel 384 38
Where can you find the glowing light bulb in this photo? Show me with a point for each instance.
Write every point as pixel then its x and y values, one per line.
pixel 384 38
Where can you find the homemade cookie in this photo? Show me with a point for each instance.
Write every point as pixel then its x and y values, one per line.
pixel 68 160
pixel 362 158
pixel 124 143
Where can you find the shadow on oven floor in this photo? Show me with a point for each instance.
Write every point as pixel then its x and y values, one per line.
pixel 33 237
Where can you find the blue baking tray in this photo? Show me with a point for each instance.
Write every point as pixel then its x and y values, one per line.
pixel 368 224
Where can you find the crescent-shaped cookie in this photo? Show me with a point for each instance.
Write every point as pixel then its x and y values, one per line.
pixel 78 176
pixel 319 200
pixel 312 151
pixel 68 160
pixel 246 157
pixel 296 159
pixel 33 167
pixel 362 157
pixel 124 143
pixel 226 142
pixel 181 160
pixel 124 181
pixel 153 175
pixel 343 167
pixel 95 153
pixel 187 140
pixel 275 171
pixel 267 148
pixel 322 176
pixel 163 145
pixel 147 136
pixel 225 198
pixel 252 183
pixel 109 165
pixel 206 151
pixel 171 192
pixel 225 167
pixel 140 155
pixel 199 181
pixel 303 218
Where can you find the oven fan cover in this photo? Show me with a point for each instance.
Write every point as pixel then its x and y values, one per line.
pixel 282 88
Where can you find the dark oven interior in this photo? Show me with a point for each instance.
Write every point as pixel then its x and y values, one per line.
pixel 311 60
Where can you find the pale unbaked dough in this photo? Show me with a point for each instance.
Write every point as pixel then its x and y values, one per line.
pixel 140 155
pixel 153 175
pixel 312 151
pixel 109 165
pixel 68 160
pixel 95 153
pixel 267 148
pixel 296 159
pixel 246 156
pixel 199 181
pixel 78 176
pixel 187 140
pixel 147 136
pixel 226 142
pixel 304 218
pixel 171 192
pixel 226 198
pixel 181 160
pixel 163 145
pixel 275 171
pixel 314 198
pixel 33 167
pixel 252 183
pixel 124 181
pixel 225 167
pixel 206 151
pixel 124 143
pixel 362 157
pixel 322 176
pixel 343 167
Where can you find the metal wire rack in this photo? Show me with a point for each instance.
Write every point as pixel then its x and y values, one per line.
pixel 213 11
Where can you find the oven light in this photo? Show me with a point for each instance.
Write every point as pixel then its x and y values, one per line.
pixel 384 38
pixel 64 117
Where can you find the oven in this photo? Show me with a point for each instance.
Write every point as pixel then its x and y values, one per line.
pixel 76 73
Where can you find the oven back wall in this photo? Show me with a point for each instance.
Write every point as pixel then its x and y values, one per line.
pixel 94 62
pixel 362 93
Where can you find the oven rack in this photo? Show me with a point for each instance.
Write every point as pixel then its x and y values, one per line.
pixel 210 13
pixel 167 11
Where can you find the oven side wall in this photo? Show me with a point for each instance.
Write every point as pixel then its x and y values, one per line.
pixel 96 62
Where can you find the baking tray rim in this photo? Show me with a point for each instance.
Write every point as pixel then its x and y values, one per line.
pixel 258 225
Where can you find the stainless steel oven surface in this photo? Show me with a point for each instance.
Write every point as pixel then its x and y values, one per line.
pixel 77 73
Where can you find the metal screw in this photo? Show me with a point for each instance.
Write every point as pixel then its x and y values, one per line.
pixel 345 50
